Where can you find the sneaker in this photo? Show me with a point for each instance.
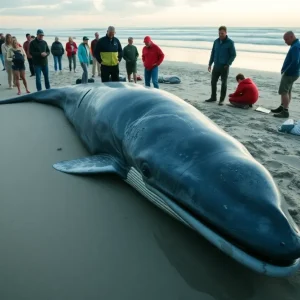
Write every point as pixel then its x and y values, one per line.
pixel 283 114
pixel 277 110
pixel 3 69
pixel 210 100
pixel 221 102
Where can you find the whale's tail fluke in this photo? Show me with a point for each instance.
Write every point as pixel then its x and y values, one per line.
pixel 51 96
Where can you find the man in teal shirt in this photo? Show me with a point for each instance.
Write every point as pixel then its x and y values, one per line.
pixel 222 56
pixel 130 55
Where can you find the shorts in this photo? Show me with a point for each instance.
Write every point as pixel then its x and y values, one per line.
pixel 286 84
pixel 18 67
pixel 131 68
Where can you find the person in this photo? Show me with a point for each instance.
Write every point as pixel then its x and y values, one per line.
pixel 2 41
pixel 130 55
pixel 152 57
pixel 5 47
pixel 223 54
pixel 95 62
pixel 57 51
pixel 108 53
pixel 246 93
pixel 17 55
pixel 39 50
pixel 84 57
pixel 14 38
pixel 29 57
pixel 71 49
pixel 290 72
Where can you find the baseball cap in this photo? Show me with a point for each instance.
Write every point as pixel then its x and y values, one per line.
pixel 85 38
pixel 40 31
pixel 147 39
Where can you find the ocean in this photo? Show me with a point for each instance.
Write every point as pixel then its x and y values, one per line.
pixel 257 48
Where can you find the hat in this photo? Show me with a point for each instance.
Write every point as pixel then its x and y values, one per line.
pixel 40 31
pixel 85 38
pixel 147 39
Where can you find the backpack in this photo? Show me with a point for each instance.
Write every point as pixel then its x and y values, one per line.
pixel 18 58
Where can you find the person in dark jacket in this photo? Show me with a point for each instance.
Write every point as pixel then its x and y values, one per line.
pixel 108 53
pixel 290 72
pixel 222 56
pixel 57 51
pixel 39 50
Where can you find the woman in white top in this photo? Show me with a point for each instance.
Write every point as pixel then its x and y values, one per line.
pixel 5 47
pixel 17 56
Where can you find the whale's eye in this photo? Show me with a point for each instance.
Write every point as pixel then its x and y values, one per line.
pixel 146 170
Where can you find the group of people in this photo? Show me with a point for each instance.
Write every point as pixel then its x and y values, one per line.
pixel 106 53
pixel 223 54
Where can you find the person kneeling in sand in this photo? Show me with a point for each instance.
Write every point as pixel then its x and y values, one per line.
pixel 246 93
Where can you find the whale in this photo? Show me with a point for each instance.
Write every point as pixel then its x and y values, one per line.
pixel 185 164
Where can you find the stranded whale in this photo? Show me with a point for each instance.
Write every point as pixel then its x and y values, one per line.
pixel 185 164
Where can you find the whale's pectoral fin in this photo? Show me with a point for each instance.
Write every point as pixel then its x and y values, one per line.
pixel 102 163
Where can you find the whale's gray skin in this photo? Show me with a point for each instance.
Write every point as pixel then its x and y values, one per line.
pixel 185 164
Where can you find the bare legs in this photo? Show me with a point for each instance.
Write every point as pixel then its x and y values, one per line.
pixel 22 75
pixel 17 75
pixel 286 99
pixel 134 77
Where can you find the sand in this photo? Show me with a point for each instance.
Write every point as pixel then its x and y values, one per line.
pixel 71 237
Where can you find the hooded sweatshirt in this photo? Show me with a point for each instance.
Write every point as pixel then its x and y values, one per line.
pixel 246 90
pixel 152 55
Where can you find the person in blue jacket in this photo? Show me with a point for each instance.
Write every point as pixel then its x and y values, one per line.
pixel 222 56
pixel 290 72
pixel 84 57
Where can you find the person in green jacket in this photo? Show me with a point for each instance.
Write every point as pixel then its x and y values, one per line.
pixel 130 55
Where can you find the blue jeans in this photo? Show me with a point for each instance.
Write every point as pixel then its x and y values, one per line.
pixel 57 60
pixel 38 74
pixel 151 74
pixel 2 59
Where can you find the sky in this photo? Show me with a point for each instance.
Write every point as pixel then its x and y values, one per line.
pixel 145 13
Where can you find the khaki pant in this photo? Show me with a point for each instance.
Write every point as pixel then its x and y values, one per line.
pixel 10 75
pixel 95 63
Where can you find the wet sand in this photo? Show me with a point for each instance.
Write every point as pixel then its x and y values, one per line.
pixel 75 237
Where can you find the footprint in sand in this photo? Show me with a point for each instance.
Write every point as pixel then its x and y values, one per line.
pixel 273 164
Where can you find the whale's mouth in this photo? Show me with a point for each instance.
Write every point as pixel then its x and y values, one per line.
pixel 219 238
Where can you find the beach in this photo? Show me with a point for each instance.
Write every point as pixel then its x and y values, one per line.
pixel 72 237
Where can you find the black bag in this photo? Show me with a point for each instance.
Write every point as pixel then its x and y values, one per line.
pixel 18 58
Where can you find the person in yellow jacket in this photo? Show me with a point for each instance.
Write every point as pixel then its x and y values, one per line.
pixel 108 53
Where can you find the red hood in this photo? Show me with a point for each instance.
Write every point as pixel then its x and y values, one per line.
pixel 247 81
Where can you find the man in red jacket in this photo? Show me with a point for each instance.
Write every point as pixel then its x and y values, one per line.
pixel 246 93
pixel 152 57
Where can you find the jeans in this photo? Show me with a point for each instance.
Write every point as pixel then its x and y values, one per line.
pixel 72 58
pixel 57 60
pixel 85 74
pixel 31 66
pixel 151 74
pixel 38 73
pixel 216 73
pixel 107 71
pixel 2 60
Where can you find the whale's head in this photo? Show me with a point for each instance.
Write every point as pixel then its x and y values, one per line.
pixel 214 179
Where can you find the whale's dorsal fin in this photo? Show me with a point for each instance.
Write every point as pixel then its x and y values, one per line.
pixel 95 164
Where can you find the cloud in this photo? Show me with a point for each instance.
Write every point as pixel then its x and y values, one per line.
pixel 56 8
